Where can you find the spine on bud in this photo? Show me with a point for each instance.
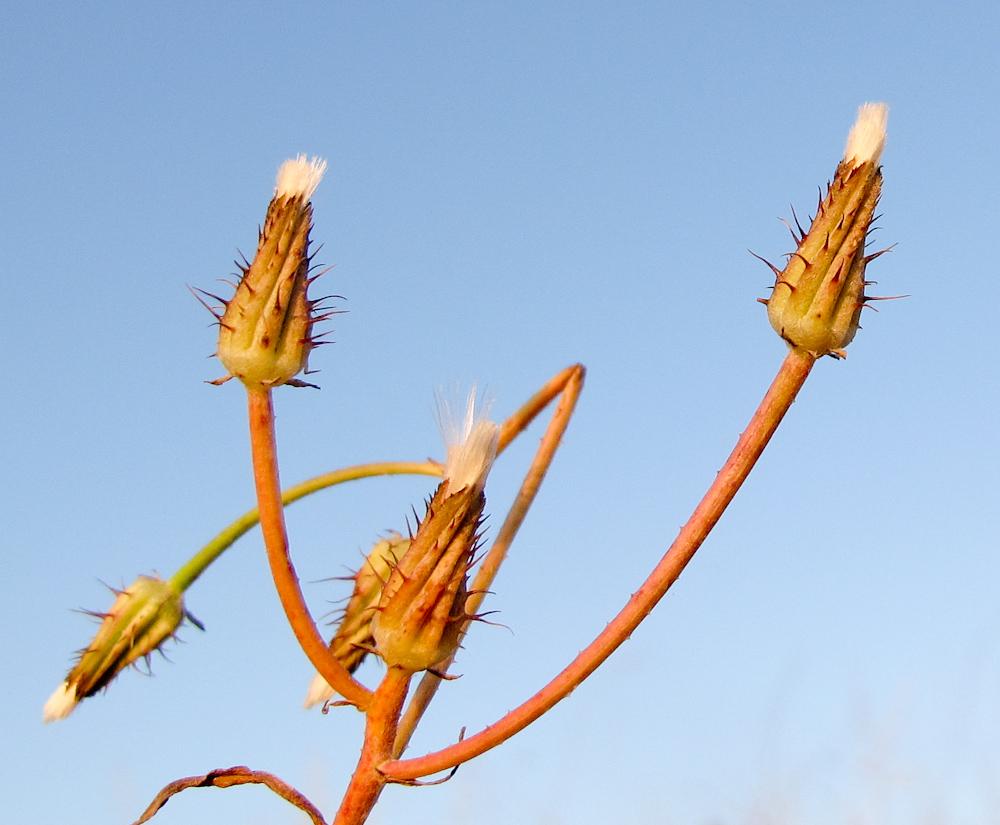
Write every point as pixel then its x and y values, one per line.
pixel 265 334
pixel 141 619
pixel 353 639
pixel 422 607
pixel 817 298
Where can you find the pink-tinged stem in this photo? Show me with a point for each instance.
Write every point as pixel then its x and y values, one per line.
pixel 751 444
pixel 272 525
pixel 380 733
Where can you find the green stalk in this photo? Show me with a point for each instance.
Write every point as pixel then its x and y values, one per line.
pixel 199 562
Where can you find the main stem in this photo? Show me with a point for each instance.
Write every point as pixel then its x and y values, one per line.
pixel 380 733
pixel 272 525
pixel 786 385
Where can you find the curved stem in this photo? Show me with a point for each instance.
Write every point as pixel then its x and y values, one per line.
pixel 227 778
pixel 199 562
pixel 567 385
pixel 272 525
pixel 793 373
pixel 189 572
pixel 517 423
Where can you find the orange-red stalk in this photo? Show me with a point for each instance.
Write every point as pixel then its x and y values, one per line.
pixel 786 385
pixel 380 734
pixel 272 525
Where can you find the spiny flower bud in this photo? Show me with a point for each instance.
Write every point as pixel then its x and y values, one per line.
pixel 817 298
pixel 422 608
pixel 353 639
pixel 142 617
pixel 265 332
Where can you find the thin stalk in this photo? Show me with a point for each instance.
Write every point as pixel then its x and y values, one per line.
pixel 570 384
pixel 380 732
pixel 786 385
pixel 199 562
pixel 517 423
pixel 272 525
pixel 567 385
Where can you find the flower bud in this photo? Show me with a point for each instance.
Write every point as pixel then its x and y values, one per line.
pixel 353 639
pixel 817 298
pixel 265 332
pixel 142 617
pixel 422 608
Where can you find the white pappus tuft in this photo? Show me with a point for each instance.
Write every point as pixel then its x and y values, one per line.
pixel 470 445
pixel 60 704
pixel 299 177
pixel 867 137
pixel 319 693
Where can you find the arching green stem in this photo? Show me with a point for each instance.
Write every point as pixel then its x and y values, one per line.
pixel 199 562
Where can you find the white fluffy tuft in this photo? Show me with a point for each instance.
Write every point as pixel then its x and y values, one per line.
pixel 319 693
pixel 299 177
pixel 60 704
pixel 867 137
pixel 470 446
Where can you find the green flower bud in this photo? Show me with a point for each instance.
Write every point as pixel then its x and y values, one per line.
pixel 265 332
pixel 142 617
pixel 818 296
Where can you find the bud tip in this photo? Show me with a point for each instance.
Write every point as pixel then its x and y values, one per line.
pixel 867 137
pixel 471 446
pixel 299 177
pixel 60 704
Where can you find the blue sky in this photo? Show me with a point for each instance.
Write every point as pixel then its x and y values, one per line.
pixel 512 188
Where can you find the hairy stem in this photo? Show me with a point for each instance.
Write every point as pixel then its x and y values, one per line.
pixel 272 525
pixel 789 380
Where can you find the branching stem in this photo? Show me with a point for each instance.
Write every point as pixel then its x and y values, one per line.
pixel 789 380
pixel 380 733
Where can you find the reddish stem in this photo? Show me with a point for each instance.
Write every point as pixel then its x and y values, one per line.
pixel 272 525
pixel 380 733
pixel 751 444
